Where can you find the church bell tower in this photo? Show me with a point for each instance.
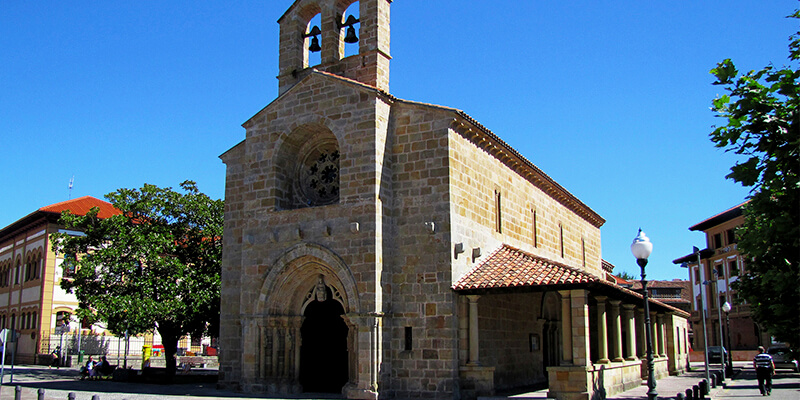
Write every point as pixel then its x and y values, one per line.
pixel 299 38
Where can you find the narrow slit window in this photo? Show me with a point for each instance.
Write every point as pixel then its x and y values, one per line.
pixel 408 339
pixel 498 224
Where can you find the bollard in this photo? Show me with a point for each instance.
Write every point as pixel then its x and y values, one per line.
pixel 71 396
pixel 40 394
pixel 679 396
pixel 17 392
pixel 689 394
pixel 703 388
pixel 713 378
pixel 695 392
pixel 96 397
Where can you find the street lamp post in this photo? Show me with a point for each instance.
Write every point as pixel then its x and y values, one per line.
pixel 719 319
pixel 727 308
pixel 641 249
pixel 702 311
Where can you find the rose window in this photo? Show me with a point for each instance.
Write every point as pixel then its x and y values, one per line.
pixel 319 177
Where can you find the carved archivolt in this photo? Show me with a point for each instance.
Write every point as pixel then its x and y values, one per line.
pixel 293 280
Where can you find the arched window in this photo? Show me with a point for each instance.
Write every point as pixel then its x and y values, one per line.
pixel 307 168
pixel 313 53
pixel 351 32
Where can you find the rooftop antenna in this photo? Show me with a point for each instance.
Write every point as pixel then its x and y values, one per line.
pixel 70 186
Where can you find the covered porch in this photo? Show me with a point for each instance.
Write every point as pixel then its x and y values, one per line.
pixel 530 321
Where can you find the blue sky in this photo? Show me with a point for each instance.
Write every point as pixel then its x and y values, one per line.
pixel 610 98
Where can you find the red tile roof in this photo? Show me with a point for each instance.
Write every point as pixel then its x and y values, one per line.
pixel 81 206
pixel 510 267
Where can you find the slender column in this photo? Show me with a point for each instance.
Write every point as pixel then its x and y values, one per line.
pixel 654 333
pixel 262 352
pixel 602 330
pixel 662 335
pixel 275 346
pixel 616 334
pixel 631 337
pixel 473 330
pixel 566 328
pixel 298 322
pixel 640 334
pixel 287 355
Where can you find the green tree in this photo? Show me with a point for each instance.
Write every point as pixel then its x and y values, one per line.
pixel 625 275
pixel 761 110
pixel 156 265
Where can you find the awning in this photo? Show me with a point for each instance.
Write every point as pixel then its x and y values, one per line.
pixel 510 270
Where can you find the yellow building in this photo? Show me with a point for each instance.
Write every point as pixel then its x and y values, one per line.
pixel 31 299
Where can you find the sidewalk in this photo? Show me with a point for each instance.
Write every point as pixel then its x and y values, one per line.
pixel 667 388
pixel 58 383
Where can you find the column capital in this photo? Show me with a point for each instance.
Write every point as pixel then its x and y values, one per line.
pixel 473 298
pixel 600 299
pixel 615 302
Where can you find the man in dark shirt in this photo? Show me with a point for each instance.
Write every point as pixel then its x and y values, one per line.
pixel 765 368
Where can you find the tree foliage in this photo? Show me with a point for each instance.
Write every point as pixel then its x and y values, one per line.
pixel 154 266
pixel 625 275
pixel 761 109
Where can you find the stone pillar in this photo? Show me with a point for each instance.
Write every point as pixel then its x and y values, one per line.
pixel 602 330
pixel 364 385
pixel 474 348
pixel 616 334
pixel 298 341
pixel 654 333
pixel 566 328
pixel 262 352
pixel 275 349
pixel 662 335
pixel 631 337
pixel 641 346
pixel 580 327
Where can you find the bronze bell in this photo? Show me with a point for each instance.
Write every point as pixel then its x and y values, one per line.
pixel 314 47
pixel 351 35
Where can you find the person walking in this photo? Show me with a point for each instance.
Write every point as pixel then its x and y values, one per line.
pixel 765 368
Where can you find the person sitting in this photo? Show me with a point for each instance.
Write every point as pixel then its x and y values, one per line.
pixel 86 370
pixel 101 368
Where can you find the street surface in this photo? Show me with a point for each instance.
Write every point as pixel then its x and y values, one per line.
pixel 58 383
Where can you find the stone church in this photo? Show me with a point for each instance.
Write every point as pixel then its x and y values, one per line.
pixel 377 247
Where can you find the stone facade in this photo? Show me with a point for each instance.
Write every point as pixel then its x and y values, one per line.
pixel 350 217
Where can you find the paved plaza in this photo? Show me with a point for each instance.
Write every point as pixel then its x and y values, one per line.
pixel 58 383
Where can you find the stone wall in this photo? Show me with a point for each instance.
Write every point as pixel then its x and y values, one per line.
pixel 506 322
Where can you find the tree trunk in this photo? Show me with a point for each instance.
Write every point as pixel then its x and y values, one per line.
pixel 169 338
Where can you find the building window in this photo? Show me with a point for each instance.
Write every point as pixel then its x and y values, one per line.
pixel 319 176
pixel 697 275
pixel 561 239
pixel 408 339
pixel 583 251
pixel 498 223
pixel 62 317
pixel 734 268
pixel 535 229
pixel 731 236
pixel 717 240
pixel 719 271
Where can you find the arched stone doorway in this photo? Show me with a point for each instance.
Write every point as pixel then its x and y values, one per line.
pixel 323 349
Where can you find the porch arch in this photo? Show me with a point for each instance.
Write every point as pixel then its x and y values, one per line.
pixel 298 269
